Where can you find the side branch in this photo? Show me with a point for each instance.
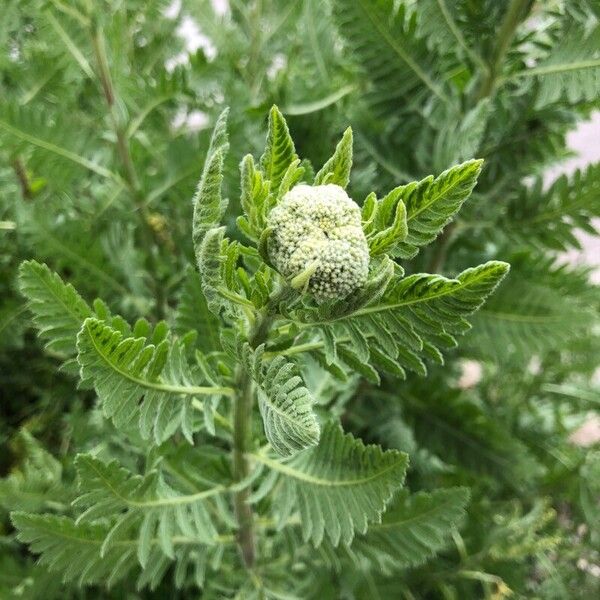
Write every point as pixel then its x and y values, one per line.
pixel 124 152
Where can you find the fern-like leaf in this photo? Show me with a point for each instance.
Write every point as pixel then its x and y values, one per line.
pixel 337 169
pixel 134 381
pixel 571 71
pixel 145 504
pixel 547 217
pixel 36 483
pixel 438 24
pixel 385 43
pixel 279 152
pixel 193 314
pixel 208 204
pixel 540 308
pixel 432 202
pixel 285 403
pixel 339 486
pixel 413 529
pixel 58 310
pixel 408 320
pixel 73 550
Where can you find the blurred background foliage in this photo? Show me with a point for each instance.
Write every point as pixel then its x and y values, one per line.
pixel 104 117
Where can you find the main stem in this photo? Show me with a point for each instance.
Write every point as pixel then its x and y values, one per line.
pixel 242 430
pixel 242 439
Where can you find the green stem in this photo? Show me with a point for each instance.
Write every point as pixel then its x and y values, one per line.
pixel 242 440
pixel 440 251
pixel 242 431
pixel 516 11
pixel 21 173
pixel 131 178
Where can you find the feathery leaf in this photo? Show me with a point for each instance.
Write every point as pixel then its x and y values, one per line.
pixel 337 168
pixel 58 310
pixel 208 204
pixel 340 472
pixel 279 152
pixel 285 404
pixel 134 381
pixel 413 529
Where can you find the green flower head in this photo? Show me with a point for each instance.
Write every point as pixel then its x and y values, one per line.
pixel 317 231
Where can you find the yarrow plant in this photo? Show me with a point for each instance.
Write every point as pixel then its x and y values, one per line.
pixel 314 297
pixel 265 392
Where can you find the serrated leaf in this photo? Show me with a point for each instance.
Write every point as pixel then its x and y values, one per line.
pixel 412 530
pixel 340 472
pixel 570 72
pixel 285 404
pixel 145 503
pixel 58 310
pixel 255 199
pixel 432 203
pixel 73 550
pixel 279 152
pixel 541 307
pixel 387 223
pixel 384 41
pixel 208 204
pixel 411 319
pixel 35 482
pixel 138 382
pixel 211 259
pixel 193 314
pixel 547 214
pixel 337 169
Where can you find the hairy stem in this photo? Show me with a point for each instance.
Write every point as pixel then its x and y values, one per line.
pixel 242 431
pixel 124 152
pixel 242 439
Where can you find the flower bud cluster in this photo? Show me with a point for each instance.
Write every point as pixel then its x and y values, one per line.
pixel 317 230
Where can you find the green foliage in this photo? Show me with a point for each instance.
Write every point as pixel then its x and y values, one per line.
pixel 284 403
pixel 431 203
pixel 412 529
pixel 340 470
pixel 394 59
pixel 58 309
pixel 544 307
pixel 337 168
pixel 279 152
pixel 570 71
pixel 208 204
pixel 193 315
pixel 547 217
pixel 36 485
pixel 209 430
pixel 147 503
pixel 149 383
pixel 407 320
pixel 73 550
